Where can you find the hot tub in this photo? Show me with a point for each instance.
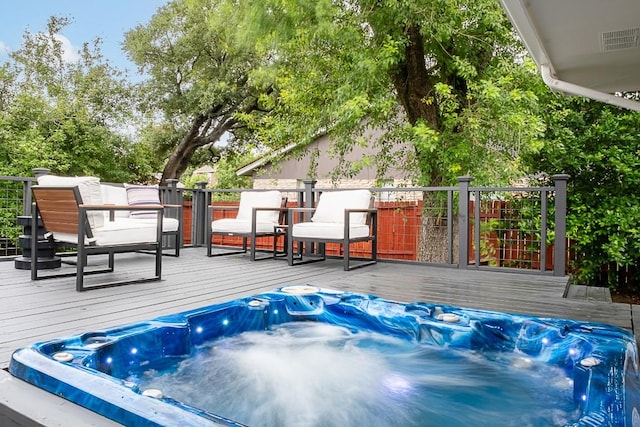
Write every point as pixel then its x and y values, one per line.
pixel 317 357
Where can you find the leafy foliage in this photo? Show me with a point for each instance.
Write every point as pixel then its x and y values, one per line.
pixel 599 147
pixel 197 81
pixel 443 76
pixel 68 116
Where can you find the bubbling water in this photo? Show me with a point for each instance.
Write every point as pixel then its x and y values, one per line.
pixel 315 375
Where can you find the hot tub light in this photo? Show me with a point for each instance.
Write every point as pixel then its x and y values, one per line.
pixel 109 360
pixel 63 356
pixel 275 311
pixel 545 340
pixel 225 322
pixel 134 350
pixel 396 384
pixel 584 397
pixel 199 329
pixel 573 351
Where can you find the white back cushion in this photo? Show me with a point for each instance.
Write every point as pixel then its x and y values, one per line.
pixel 332 204
pixel 259 199
pixel 115 195
pixel 89 187
pixel 140 195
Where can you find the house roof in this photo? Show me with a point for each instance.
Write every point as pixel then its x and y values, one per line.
pixel 204 169
pixel 247 170
pixel 589 48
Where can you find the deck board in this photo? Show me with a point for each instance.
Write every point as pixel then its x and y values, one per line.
pixel 47 309
pixel 36 311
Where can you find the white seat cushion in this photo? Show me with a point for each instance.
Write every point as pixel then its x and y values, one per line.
pixel 120 231
pixel 259 199
pixel 231 225
pixel 332 204
pixel 168 224
pixel 328 230
pixel 90 191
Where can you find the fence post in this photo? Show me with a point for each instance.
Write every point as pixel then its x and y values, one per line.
pixel 198 214
pixel 309 202
pixel 560 240
pixel 309 185
pixel 172 192
pixel 463 222
pixel 170 197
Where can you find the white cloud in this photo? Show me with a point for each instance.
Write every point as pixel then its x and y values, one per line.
pixel 69 52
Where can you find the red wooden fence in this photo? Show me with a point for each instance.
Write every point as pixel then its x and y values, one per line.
pixel 399 231
pixel 501 245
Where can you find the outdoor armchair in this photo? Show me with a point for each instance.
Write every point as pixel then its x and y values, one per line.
pixel 342 217
pixel 73 212
pixel 259 214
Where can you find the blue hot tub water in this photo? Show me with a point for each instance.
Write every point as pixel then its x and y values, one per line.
pixel 318 357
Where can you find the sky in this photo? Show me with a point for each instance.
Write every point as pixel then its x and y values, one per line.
pixel 106 19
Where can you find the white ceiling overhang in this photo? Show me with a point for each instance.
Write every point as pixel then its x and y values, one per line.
pixel 589 48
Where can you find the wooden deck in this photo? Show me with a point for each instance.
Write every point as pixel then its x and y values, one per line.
pixel 36 311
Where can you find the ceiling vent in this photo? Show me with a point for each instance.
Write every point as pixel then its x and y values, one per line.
pixel 623 39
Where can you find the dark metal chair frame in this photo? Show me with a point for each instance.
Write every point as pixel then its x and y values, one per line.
pixel 296 257
pixel 253 234
pixel 62 211
pixel 177 234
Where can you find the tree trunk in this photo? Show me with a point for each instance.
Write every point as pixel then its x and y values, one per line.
pixel 414 85
pixel 416 93
pixel 203 132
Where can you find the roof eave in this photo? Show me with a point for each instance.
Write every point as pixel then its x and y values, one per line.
pixel 521 20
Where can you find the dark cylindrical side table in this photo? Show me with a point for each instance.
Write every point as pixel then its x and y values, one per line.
pixel 46 250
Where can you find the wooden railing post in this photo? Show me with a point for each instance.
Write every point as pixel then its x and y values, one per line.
pixel 560 240
pixel 463 222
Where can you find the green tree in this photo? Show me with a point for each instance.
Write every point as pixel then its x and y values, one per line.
pixel 226 172
pixel 66 115
pixel 198 81
pixel 599 147
pixel 446 76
